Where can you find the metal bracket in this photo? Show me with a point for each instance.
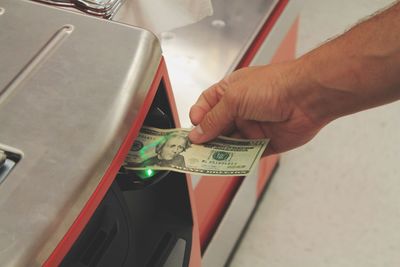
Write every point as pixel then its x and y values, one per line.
pixel 8 159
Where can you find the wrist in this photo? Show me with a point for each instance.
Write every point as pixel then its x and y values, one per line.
pixel 309 94
pixel 332 84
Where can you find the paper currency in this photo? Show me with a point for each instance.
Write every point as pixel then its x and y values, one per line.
pixel 161 149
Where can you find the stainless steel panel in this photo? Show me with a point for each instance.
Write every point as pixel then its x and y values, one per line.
pixel 201 54
pixel 70 87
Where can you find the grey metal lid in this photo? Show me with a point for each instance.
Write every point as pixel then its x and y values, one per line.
pixel 70 88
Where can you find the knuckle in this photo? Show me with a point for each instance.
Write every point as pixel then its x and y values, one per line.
pixel 224 85
pixel 204 96
pixel 210 121
pixel 232 100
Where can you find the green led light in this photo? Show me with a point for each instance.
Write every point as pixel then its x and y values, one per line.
pixel 149 172
pixel 146 174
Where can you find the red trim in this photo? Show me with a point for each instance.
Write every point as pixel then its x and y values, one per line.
pixel 76 228
pixel 265 30
pixel 215 193
pixel 195 253
pixel 287 50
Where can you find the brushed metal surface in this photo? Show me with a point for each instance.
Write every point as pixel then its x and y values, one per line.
pixel 201 54
pixel 67 104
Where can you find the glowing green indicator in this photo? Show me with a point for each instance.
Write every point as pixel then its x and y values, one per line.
pixel 149 172
pixel 146 174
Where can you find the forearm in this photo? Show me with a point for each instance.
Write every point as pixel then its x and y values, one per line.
pixel 358 70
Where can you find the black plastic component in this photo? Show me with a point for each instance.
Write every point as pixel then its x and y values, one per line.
pixel 8 155
pixel 8 160
pixel 161 249
pixel 138 225
pixel 3 157
pixel 108 239
pixel 162 214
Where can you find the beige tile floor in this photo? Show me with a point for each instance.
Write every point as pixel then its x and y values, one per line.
pixel 335 201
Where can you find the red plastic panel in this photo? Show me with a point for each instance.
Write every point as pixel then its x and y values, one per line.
pixel 212 195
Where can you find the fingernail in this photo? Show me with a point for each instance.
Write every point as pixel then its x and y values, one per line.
pixel 199 130
pixel 196 134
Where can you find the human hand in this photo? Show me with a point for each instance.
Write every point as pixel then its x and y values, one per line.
pixel 257 102
pixel 290 102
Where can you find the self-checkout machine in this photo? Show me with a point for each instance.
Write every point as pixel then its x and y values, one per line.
pixel 75 92
pixel 238 34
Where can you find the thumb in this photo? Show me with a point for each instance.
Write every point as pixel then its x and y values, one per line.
pixel 214 121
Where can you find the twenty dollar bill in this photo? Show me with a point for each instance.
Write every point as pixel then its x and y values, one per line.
pixel 162 149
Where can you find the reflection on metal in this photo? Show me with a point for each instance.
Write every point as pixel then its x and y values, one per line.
pixel 68 117
pixel 51 45
pixel 201 54
pixel 103 8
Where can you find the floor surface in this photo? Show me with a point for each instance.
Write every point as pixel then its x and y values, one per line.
pixel 335 201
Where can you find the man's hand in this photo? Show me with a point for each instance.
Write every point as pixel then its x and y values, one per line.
pixel 255 102
pixel 290 102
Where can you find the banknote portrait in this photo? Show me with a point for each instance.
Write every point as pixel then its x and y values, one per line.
pixel 168 151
